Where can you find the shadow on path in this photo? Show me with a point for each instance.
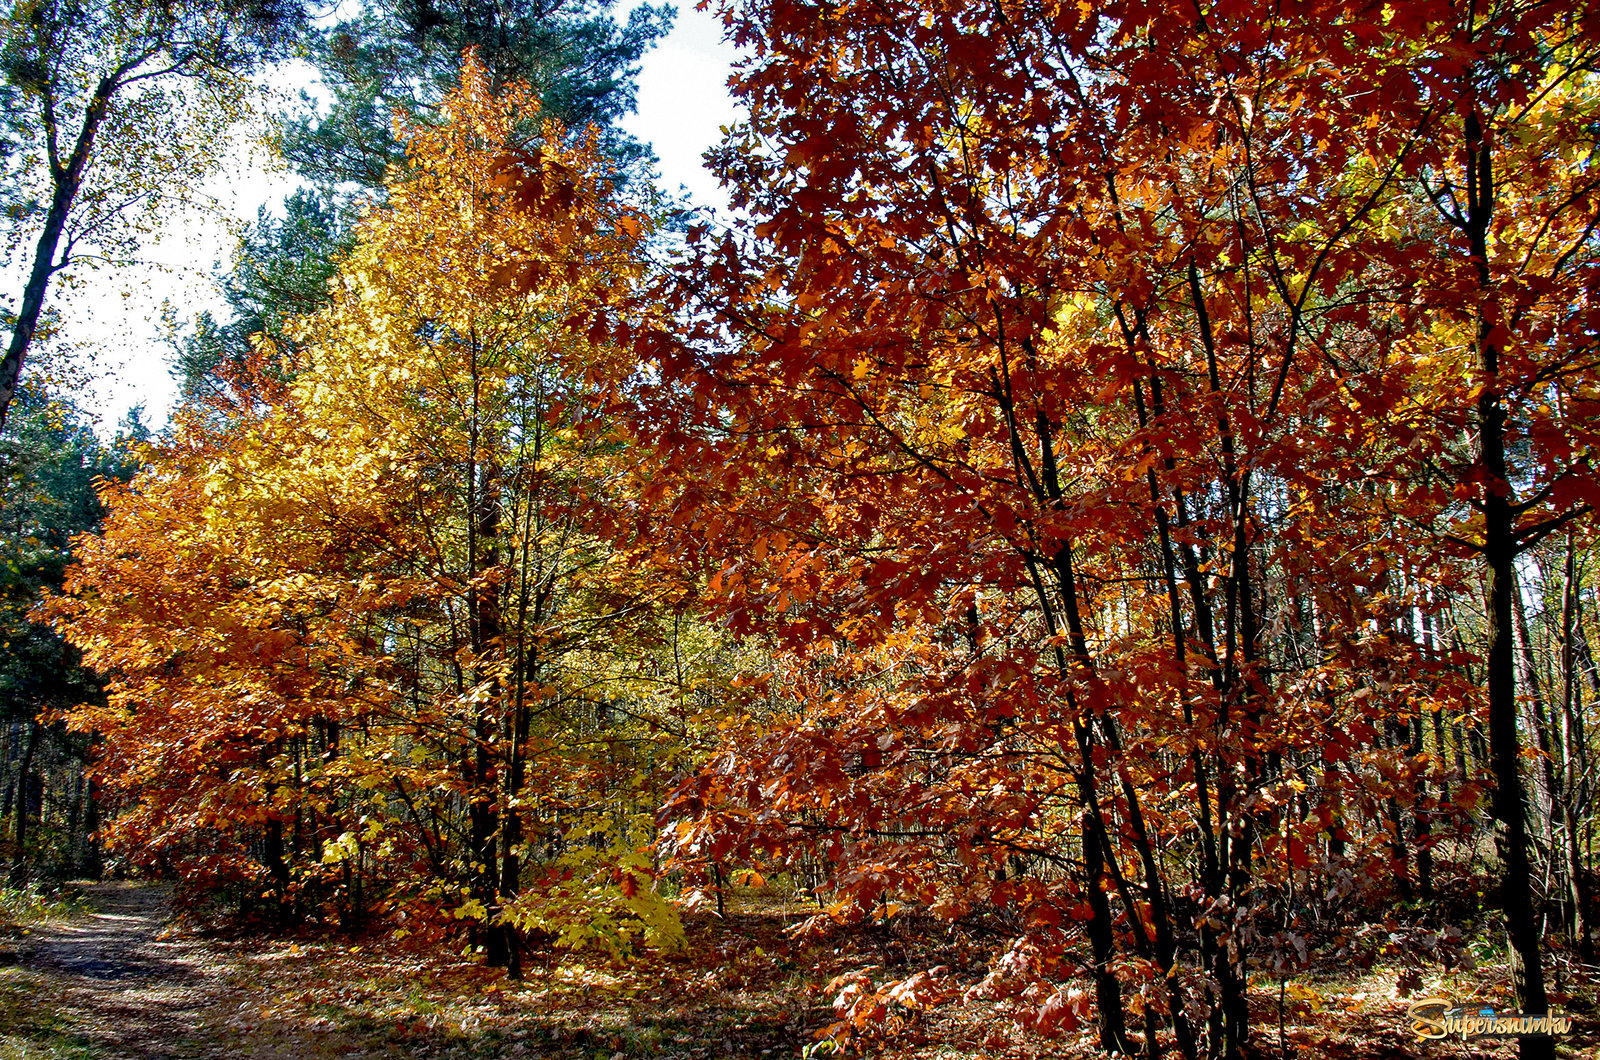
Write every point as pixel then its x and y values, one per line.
pixel 116 980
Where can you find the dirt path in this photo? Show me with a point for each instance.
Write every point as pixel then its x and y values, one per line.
pixel 118 982
pixel 113 983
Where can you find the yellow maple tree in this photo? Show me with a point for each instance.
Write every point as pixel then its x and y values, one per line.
pixel 369 646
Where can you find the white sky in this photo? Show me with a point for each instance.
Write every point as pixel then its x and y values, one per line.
pixel 683 103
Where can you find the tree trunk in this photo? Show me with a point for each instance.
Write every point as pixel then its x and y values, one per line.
pixel 1397 736
pixel 278 869
pixel 93 866
pixel 1548 787
pixel 65 179
pixel 1500 547
pixel 19 859
pixel 1510 802
pixel 1421 815
pixel 1553 799
pixel 486 804
pixel 1573 765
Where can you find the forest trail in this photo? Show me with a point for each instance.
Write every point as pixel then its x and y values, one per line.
pixel 121 981
pixel 114 982
pixel 118 982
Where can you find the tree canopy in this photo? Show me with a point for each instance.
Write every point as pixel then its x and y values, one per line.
pixel 401 59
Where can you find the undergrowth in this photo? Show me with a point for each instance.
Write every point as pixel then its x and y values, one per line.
pixel 33 903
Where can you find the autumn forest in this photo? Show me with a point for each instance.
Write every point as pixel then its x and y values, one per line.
pixel 1099 540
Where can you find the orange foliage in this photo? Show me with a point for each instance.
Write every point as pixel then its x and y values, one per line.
pixel 362 637
pixel 1090 417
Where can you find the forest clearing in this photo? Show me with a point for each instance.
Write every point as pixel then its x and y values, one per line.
pixel 1092 553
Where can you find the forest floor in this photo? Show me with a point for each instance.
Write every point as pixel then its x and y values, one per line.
pixel 120 980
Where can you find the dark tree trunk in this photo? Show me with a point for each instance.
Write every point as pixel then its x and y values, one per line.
pixel 1397 737
pixel 1510 802
pixel 66 178
pixel 1420 812
pixel 487 805
pixel 1239 683
pixel 1573 753
pixel 1500 548
pixel 278 869
pixel 93 866
pixel 19 859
